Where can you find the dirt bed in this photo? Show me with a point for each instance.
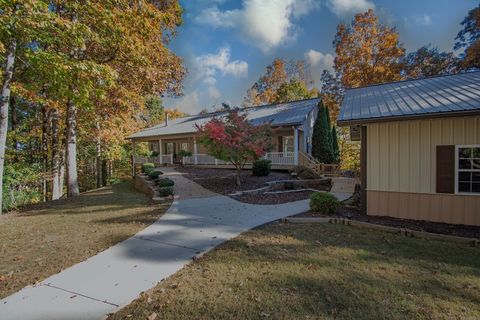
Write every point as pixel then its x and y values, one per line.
pixel 417 225
pixel 223 181
pixel 273 198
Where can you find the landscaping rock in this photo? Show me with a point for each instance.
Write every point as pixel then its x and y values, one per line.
pixel 302 172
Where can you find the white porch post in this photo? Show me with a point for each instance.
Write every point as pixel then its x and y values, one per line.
pixel 160 153
pixel 133 157
pixel 195 150
pixel 295 146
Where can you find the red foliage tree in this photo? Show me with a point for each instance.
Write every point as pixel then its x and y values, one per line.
pixel 234 139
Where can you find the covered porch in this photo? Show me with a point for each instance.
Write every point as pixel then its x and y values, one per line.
pixel 290 148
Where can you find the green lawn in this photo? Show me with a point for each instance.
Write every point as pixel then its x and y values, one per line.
pixel 49 237
pixel 283 271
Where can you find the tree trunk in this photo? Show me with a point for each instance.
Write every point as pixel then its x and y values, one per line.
pixel 61 175
pixel 14 117
pixel 56 184
pixel 4 106
pixel 71 150
pixel 98 157
pixel 105 172
pixel 239 170
pixel 45 127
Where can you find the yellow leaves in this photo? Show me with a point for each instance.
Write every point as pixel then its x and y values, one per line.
pixel 367 52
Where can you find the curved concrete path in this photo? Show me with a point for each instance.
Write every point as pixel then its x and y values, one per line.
pixel 197 221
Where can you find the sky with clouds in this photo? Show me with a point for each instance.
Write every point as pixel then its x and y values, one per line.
pixel 226 44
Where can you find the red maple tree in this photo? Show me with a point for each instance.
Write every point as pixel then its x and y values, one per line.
pixel 234 139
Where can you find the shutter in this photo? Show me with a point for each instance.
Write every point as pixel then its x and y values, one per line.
pixel 280 144
pixel 445 169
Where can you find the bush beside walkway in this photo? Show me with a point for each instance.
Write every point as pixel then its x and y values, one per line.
pixel 47 238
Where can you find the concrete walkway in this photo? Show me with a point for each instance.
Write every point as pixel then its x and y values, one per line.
pixel 197 221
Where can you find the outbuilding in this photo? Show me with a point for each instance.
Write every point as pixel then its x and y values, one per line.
pixel 420 147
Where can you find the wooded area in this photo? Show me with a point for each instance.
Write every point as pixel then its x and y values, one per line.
pixel 78 77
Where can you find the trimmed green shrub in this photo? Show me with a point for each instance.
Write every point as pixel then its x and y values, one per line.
pixel 155 154
pixel 165 182
pixel 154 174
pixel 165 191
pixel 322 202
pixel 261 167
pixel 147 166
pixel 184 153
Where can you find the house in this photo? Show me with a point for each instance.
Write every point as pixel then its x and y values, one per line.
pixel 292 126
pixel 420 147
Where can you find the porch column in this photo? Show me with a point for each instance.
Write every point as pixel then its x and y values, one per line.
pixel 195 150
pixel 295 146
pixel 133 157
pixel 160 153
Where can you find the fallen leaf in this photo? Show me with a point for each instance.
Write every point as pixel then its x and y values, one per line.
pixel 153 316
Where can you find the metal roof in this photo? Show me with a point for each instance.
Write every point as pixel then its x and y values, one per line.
pixel 291 113
pixel 420 98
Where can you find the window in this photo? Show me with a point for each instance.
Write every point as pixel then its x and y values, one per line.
pixel 288 144
pixel 169 147
pixel 183 146
pixel 468 169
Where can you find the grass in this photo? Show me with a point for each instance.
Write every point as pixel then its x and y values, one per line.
pixel 47 238
pixel 285 271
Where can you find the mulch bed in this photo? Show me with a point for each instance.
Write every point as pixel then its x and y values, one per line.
pixel 273 198
pixel 417 225
pixel 223 181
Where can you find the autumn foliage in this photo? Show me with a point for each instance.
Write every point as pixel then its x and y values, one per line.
pixel 234 139
pixel 367 52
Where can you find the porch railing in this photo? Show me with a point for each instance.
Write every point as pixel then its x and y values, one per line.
pixel 277 158
pixel 281 158
pixel 201 158
pixel 144 159
pixel 166 158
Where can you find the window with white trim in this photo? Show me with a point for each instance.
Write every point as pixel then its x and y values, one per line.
pixel 468 169
pixel 287 143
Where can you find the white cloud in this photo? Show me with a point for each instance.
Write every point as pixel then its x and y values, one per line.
pixel 318 62
pixel 208 67
pixel 189 103
pixel 213 92
pixel 210 64
pixel 422 20
pixel 315 58
pixel 267 23
pixel 346 8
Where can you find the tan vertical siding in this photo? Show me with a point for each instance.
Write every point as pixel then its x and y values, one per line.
pixel 401 155
pixel 394 181
pixel 458 209
pixel 401 170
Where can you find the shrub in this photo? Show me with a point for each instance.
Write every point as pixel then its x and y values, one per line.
pixel 322 202
pixel 147 167
pixel 153 174
pixel 261 167
pixel 165 182
pixel 155 154
pixel 184 153
pixel 21 185
pixel 165 191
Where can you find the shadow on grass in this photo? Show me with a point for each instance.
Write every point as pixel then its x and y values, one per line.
pixel 321 272
pixel 118 196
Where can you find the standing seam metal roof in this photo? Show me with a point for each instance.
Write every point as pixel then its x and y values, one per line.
pixel 291 113
pixel 418 97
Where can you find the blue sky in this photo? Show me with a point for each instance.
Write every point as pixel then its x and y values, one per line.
pixel 226 44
